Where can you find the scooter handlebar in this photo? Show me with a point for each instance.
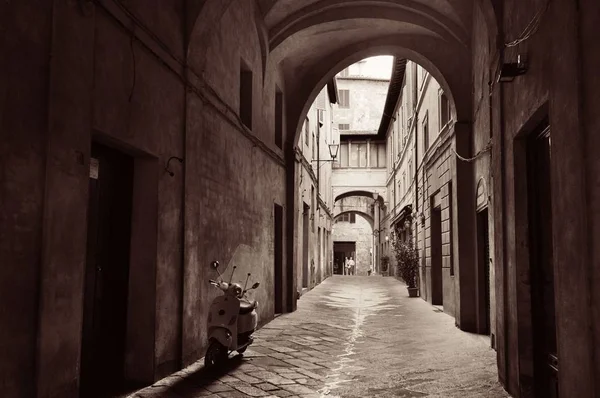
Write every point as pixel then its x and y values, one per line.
pixel 221 285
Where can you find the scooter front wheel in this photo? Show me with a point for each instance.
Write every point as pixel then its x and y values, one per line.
pixel 216 354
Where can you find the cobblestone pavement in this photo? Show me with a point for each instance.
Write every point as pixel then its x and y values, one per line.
pixel 351 336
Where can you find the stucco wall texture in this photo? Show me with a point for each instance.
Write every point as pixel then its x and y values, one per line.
pixel 130 93
pixel 360 232
pixel 74 73
pixel 366 101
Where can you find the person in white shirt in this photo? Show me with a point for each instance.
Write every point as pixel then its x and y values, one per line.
pixel 351 266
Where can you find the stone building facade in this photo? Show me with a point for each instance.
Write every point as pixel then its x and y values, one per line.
pixel 358 229
pixel 362 91
pixel 314 175
pixel 422 204
pixel 358 179
pixel 184 111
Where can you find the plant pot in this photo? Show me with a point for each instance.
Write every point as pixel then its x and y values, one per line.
pixel 413 291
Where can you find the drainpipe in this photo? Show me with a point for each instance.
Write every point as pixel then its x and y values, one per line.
pixel 318 157
pixel 417 163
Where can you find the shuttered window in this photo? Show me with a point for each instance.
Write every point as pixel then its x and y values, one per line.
pixel 344 98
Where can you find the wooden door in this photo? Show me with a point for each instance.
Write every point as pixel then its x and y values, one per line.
pixel 541 265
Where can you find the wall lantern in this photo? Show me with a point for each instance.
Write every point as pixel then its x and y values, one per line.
pixel 333 150
pixel 511 70
pixel 387 238
pixel 375 195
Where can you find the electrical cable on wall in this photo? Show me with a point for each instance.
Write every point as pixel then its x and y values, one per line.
pixel 487 148
pixel 531 28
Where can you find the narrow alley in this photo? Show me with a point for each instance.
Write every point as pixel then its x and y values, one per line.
pixel 351 337
pixel 342 155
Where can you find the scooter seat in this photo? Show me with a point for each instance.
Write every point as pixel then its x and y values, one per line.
pixel 247 307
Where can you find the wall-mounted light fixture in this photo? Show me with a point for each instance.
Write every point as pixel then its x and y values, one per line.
pixel 511 70
pixel 167 169
pixel 333 152
pixel 387 238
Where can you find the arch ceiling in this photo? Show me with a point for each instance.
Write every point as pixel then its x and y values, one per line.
pixel 311 40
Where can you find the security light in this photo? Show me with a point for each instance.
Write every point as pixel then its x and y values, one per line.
pixel 511 70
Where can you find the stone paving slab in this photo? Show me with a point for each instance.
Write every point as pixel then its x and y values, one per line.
pixel 350 337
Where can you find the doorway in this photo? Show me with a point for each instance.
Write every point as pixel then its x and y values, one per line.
pixel 305 222
pixel 278 254
pixel 437 288
pixel 320 254
pixel 341 251
pixel 541 265
pixel 483 272
pixel 107 272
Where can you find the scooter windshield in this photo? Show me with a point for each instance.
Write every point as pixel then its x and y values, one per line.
pixel 243 259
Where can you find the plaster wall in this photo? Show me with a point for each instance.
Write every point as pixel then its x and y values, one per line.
pixel 367 99
pixel 308 169
pixel 354 203
pixel 127 90
pixel 427 171
pixel 360 232
pixel 358 179
pixel 559 58
pixel 24 67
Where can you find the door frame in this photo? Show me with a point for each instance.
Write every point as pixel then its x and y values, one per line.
pixel 139 368
pixel 483 297
pixel 437 263
pixel 523 254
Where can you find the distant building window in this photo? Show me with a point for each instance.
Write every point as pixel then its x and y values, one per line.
pixel 344 126
pixel 306 131
pixel 358 155
pixel 345 73
pixel 245 94
pixel 347 217
pixel 344 155
pixel 444 110
pixel 377 158
pixel 279 118
pixel 321 100
pixel 344 98
pixel 314 146
pixel 426 132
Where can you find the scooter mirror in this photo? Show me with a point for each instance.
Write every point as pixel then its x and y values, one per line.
pixel 214 265
pixel 255 285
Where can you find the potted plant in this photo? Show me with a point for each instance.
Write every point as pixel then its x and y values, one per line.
pixel 385 263
pixel 407 258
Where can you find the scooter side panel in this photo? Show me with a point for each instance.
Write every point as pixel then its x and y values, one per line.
pixel 247 322
pixel 223 314
pixel 222 335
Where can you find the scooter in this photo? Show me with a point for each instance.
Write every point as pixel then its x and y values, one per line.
pixel 232 319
